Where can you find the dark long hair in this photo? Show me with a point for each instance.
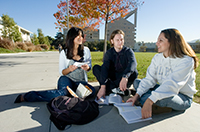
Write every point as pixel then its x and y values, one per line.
pixel 69 44
pixel 178 46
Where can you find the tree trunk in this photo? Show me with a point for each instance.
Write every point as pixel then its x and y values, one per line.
pixel 105 39
pixel 105 35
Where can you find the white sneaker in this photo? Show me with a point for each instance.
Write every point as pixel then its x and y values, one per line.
pixel 117 91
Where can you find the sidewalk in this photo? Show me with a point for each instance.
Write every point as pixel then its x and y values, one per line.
pixel 20 73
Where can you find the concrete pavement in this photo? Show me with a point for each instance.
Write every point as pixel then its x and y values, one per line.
pixel 23 72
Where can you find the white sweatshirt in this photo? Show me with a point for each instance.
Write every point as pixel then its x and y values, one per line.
pixel 64 62
pixel 173 74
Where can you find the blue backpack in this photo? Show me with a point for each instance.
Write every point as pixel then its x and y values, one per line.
pixel 70 110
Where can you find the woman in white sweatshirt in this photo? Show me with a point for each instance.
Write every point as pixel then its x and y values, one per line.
pixel 170 78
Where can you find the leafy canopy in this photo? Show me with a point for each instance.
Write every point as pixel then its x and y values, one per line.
pixel 10 29
pixel 92 13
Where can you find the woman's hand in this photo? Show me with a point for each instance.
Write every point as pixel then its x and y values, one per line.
pixel 133 99
pixel 72 68
pixel 85 67
pixel 102 92
pixel 123 84
pixel 147 109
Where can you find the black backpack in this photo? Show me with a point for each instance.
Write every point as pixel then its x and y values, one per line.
pixel 70 110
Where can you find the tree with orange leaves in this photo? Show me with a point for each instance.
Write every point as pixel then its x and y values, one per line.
pixel 92 13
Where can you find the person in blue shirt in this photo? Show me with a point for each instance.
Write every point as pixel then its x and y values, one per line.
pixel 71 75
pixel 119 67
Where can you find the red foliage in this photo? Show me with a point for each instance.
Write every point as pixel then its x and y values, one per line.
pixel 92 13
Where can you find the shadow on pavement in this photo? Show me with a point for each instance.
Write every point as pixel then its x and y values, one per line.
pixel 108 119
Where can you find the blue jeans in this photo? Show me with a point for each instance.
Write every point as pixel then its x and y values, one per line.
pixel 47 95
pixel 177 102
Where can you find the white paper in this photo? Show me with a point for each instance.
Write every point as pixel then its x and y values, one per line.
pixel 79 64
pixel 102 101
pixel 111 99
pixel 114 98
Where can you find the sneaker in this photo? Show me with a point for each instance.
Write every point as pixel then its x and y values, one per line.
pixel 159 110
pixel 118 91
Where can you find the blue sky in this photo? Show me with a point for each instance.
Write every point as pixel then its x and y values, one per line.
pixel 153 16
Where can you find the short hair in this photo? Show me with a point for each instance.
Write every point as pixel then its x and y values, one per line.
pixel 118 31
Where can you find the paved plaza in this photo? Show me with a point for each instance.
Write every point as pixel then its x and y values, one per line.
pixel 23 72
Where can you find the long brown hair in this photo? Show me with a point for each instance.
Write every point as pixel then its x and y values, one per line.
pixel 178 46
pixel 69 45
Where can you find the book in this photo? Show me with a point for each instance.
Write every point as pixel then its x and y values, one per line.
pixel 81 91
pixel 131 114
pixel 111 99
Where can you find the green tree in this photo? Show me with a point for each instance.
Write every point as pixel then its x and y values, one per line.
pixel 41 37
pixel 35 40
pixel 198 41
pixel 58 40
pixel 143 48
pixel 47 41
pixel 16 35
pixel 50 39
pixel 100 45
pixel 197 49
pixel 10 29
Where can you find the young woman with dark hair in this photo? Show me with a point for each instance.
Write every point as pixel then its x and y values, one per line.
pixel 71 75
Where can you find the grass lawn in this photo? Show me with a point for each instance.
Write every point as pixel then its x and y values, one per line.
pixel 143 60
pixel 3 50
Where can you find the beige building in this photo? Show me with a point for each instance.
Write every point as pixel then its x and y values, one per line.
pixel 128 28
pixel 25 34
pixel 91 35
pixel 151 47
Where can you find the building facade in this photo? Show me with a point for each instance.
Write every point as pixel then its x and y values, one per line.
pixel 128 27
pixel 91 35
pixel 25 34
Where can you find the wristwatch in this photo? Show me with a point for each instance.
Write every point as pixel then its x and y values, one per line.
pixel 125 76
